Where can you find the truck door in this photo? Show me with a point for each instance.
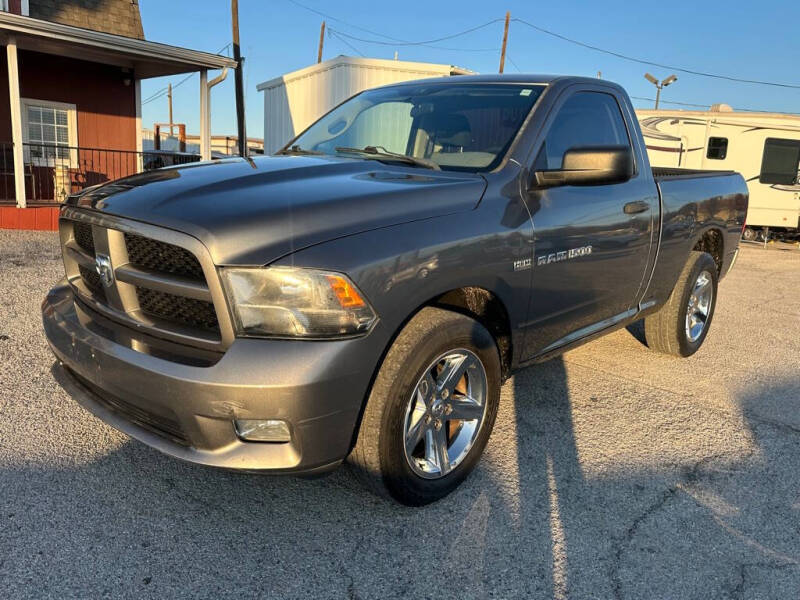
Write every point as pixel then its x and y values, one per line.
pixel 591 243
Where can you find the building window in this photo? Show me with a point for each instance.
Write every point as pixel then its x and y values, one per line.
pixel 18 7
pixel 49 133
pixel 717 148
pixel 779 165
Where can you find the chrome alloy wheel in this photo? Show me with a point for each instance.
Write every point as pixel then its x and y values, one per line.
pixel 445 413
pixel 699 306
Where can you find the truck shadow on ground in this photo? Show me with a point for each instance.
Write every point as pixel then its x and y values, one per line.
pixel 534 520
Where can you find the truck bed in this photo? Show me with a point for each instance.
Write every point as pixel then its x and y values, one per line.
pixel 661 173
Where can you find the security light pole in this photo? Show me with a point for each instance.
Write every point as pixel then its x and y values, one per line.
pixel 660 84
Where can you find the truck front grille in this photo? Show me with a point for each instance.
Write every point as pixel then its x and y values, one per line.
pixel 84 237
pixel 178 309
pixel 92 281
pixel 157 285
pixel 162 257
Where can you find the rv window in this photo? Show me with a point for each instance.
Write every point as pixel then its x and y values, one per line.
pixel 717 148
pixel 780 163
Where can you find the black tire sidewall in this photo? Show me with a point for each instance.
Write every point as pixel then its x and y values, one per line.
pixel 704 262
pixel 401 481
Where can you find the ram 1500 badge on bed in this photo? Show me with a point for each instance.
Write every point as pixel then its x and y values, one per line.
pixel 364 293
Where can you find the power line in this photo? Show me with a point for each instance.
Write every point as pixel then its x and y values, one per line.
pixel 153 95
pixel 707 106
pixel 156 96
pixel 654 64
pixel 421 43
pixel 670 102
pixel 161 95
pixel 396 41
pixel 330 18
pixel 334 34
pixel 511 60
pixel 400 42
pixel 163 91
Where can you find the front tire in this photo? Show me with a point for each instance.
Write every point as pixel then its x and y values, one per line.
pixel 431 409
pixel 681 326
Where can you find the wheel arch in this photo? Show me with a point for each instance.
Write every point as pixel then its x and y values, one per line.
pixel 712 241
pixel 488 309
pixel 476 302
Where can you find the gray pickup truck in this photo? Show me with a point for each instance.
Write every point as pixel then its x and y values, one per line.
pixel 363 294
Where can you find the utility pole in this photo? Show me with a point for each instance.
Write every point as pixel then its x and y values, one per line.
pixel 169 98
pixel 321 41
pixel 505 41
pixel 239 81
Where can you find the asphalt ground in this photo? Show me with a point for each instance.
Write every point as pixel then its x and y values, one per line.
pixel 612 472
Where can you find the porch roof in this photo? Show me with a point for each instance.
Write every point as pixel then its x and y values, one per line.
pixel 147 59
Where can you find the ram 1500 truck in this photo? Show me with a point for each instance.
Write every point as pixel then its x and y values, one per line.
pixel 363 294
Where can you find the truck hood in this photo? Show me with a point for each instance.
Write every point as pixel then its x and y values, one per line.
pixel 254 211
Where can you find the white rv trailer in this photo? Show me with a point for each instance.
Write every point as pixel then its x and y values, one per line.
pixel 763 147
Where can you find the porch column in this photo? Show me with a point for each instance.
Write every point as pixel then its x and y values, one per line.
pixel 139 156
pixel 205 117
pixel 16 120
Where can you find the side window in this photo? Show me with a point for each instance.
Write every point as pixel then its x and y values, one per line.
pixel 780 162
pixel 585 119
pixel 717 148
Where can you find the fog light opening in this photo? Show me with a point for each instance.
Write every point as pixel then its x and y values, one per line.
pixel 262 430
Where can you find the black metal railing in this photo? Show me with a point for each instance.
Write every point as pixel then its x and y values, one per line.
pixel 53 172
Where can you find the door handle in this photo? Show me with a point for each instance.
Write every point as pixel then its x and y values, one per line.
pixel 631 208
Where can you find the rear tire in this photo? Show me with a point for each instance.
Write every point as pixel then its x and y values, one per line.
pixel 749 235
pixel 681 326
pixel 406 420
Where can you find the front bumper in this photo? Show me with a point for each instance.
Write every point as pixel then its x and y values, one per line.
pixel 188 411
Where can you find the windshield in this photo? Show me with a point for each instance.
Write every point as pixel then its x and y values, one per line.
pixel 458 126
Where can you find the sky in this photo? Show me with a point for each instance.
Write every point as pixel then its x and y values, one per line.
pixel 733 39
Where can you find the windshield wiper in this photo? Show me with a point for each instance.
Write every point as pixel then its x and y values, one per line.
pixel 381 153
pixel 298 150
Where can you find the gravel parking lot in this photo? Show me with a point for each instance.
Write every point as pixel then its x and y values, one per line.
pixel 613 472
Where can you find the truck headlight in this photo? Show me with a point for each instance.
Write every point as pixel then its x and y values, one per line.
pixel 292 302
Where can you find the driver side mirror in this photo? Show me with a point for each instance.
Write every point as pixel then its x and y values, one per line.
pixel 589 165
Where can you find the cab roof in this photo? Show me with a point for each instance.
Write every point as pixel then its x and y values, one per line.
pixel 523 78
pixel 509 78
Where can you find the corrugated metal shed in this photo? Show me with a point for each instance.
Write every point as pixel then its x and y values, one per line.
pixel 295 100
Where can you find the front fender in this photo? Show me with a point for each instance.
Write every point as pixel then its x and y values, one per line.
pixel 404 267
